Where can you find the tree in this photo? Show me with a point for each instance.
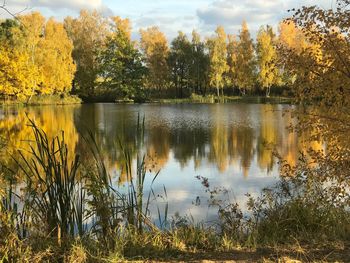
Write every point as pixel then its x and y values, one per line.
pixel 88 33
pixel 245 61
pixel 55 59
pixel 10 33
pixel 218 56
pixel 179 62
pixel 291 37
pixel 269 73
pixel 322 90
pixel 32 26
pixel 121 63
pixel 50 51
pixel 121 25
pixel 16 74
pixel 199 69
pixel 41 54
pixel 155 48
pixel 232 55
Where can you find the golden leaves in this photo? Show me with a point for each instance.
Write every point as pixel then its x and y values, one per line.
pixel 155 48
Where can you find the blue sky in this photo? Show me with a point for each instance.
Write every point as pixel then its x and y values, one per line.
pixel 174 15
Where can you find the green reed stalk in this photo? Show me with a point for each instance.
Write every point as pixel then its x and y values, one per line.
pixel 52 184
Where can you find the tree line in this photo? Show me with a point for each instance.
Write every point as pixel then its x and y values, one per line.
pixel 94 57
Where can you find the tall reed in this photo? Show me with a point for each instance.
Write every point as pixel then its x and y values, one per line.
pixel 53 188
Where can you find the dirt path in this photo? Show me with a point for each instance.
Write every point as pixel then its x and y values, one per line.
pixel 341 254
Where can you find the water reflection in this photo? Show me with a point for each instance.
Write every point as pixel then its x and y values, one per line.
pixel 222 135
pixel 231 143
pixel 17 134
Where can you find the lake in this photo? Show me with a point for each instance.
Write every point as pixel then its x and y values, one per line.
pixel 230 144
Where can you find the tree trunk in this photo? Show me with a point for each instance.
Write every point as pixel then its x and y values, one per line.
pixel 217 89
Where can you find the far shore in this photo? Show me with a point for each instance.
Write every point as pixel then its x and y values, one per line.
pixel 74 100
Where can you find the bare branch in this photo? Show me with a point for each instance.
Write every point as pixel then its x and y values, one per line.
pixel 14 15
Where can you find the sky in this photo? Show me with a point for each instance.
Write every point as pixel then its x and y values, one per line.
pixel 172 16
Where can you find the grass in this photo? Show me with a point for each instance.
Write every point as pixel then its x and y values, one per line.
pixel 74 213
pixel 225 99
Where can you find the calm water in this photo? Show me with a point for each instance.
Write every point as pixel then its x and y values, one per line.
pixel 227 143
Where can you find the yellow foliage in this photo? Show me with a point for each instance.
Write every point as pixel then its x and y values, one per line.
pixel 55 59
pixel 39 60
pixel 267 60
pixel 122 25
pixel 245 60
pixel 155 48
pixel 17 73
pixel 218 59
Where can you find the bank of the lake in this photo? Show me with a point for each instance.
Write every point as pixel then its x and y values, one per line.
pixel 43 100
pixel 227 99
pixel 195 99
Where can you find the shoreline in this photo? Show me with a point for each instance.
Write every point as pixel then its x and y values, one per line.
pixel 228 99
pixel 74 100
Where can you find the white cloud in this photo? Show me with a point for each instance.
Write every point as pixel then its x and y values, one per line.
pixel 231 13
pixel 57 4
pixel 70 4
pixel 174 15
pixel 54 7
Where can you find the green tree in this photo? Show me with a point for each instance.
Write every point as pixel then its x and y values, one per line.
pixel 269 73
pixel 10 33
pixel 199 69
pixel 88 33
pixel 245 61
pixel 179 62
pixel 218 59
pixel 121 63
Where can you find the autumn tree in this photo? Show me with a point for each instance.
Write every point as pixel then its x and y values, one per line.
pixel 154 46
pixel 218 56
pixel 16 74
pixel 88 33
pixel 290 38
pixel 121 63
pixel 245 61
pixel 121 25
pixel 54 59
pixel 32 26
pixel 232 55
pixel 269 73
pixel 45 63
pixel 322 88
